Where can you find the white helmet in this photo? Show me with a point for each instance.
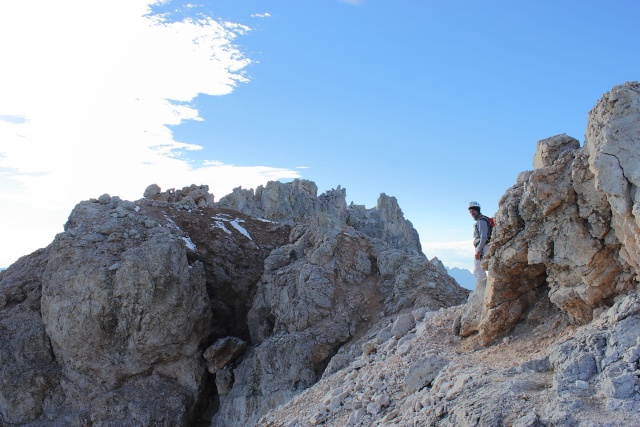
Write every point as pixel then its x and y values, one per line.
pixel 474 205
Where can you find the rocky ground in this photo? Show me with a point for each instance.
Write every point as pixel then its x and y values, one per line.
pixel 429 376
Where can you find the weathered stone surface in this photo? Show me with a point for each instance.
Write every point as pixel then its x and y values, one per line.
pixel 29 376
pixel 474 310
pixel 223 352
pixel 403 324
pixel 322 290
pixel 549 150
pixel 147 313
pixel 571 224
pixel 297 202
pixel 423 372
pixel 613 147
pixel 439 265
pixel 185 198
pixel 121 306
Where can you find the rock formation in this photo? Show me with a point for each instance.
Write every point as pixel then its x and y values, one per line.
pixel 162 310
pixel 569 230
pixel 279 307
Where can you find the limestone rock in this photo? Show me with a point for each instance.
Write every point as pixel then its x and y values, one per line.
pixel 549 150
pixel 109 324
pixel 29 375
pixel 297 202
pixel 423 372
pixel 439 265
pixel 316 294
pixel 569 229
pixel 223 352
pixel 186 198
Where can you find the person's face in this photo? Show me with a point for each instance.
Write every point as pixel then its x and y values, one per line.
pixel 473 213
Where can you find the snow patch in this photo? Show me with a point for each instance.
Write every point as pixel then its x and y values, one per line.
pixel 264 220
pixel 221 219
pixel 236 224
pixel 171 224
pixel 221 225
pixel 189 243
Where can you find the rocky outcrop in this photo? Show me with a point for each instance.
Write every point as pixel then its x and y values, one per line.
pixel 319 292
pixel 159 311
pixel 298 202
pixel 568 230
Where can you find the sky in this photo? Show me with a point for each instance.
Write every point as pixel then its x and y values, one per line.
pixel 435 103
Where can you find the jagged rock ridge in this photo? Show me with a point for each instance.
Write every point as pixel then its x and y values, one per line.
pixel 173 308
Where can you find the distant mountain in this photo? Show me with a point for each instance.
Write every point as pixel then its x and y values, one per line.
pixel 463 276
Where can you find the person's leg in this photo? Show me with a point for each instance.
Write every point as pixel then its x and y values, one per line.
pixel 478 272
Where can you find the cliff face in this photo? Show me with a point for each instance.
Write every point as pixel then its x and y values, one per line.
pixel 569 230
pixel 173 308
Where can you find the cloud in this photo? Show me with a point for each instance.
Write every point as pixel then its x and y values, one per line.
pixel 452 254
pixel 261 15
pixel 12 119
pixel 88 92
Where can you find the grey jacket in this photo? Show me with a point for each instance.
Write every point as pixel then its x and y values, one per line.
pixel 480 232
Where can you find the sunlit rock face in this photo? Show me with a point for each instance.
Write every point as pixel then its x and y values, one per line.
pixel 569 230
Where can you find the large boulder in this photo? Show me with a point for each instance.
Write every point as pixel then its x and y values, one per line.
pixel 121 302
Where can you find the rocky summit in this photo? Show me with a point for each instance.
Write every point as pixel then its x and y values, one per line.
pixel 277 306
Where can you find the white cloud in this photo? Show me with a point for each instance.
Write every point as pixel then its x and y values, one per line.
pixel 261 15
pixel 452 254
pixel 88 89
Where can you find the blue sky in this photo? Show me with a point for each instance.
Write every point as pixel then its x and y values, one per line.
pixel 435 103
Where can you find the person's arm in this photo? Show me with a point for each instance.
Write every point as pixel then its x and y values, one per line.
pixel 483 230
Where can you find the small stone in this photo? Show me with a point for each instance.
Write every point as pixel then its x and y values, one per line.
pixel 105 199
pixel 373 408
pixel 582 385
pixel 368 348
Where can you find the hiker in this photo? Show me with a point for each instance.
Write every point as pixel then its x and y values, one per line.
pixel 481 236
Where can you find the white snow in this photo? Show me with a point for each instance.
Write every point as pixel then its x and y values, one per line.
pixel 235 223
pixel 263 220
pixel 220 224
pixel 137 208
pixel 189 243
pixel 171 223
pixel 222 217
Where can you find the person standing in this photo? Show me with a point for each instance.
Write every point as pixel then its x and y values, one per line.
pixel 481 236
